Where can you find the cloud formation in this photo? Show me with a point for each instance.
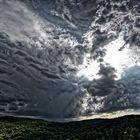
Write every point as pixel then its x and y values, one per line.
pixel 45 45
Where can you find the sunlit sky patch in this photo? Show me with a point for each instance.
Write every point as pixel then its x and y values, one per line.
pixel 118 55
pixel 89 68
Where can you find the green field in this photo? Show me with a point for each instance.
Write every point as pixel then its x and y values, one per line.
pixel 123 128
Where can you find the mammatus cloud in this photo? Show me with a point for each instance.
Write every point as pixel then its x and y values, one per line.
pixel 59 62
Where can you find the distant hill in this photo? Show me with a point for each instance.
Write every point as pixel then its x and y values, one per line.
pixel 122 128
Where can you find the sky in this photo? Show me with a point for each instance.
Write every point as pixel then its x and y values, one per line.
pixel 72 59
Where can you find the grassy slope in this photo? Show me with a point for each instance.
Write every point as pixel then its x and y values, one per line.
pixel 125 128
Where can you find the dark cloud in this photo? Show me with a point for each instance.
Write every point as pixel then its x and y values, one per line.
pixel 39 61
pixel 28 85
pixel 118 94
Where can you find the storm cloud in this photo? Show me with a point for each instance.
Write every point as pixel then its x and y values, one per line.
pixel 65 59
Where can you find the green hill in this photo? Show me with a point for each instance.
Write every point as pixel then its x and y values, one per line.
pixel 123 128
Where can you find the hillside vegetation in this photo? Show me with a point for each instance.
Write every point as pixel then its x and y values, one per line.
pixel 123 128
